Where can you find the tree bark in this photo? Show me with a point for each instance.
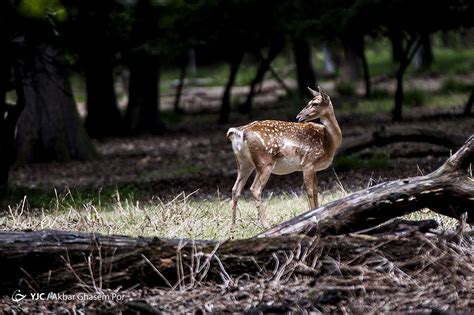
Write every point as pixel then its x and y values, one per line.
pixel 448 191
pixel 306 76
pixel 236 60
pixel 389 135
pixel 468 106
pixel 143 114
pixel 49 128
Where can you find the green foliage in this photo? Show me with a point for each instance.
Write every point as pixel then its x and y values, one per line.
pixel 43 9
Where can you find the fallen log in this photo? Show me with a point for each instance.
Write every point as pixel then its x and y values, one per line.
pixel 59 261
pixel 449 190
pixel 396 134
pixel 48 260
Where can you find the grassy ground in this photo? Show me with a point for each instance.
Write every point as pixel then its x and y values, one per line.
pixel 181 217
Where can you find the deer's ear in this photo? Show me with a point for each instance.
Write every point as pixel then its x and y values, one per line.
pixel 313 92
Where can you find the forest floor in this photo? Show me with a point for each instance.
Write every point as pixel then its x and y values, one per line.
pixel 183 179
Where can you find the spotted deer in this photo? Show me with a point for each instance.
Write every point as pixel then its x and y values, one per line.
pixel 280 147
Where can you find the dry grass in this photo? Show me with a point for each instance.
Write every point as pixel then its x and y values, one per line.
pixel 182 217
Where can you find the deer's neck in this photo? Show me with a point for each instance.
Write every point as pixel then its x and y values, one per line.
pixel 333 132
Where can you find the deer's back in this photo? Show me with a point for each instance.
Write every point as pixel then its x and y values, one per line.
pixel 290 143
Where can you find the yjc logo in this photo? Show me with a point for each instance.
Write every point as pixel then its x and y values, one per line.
pixel 17 296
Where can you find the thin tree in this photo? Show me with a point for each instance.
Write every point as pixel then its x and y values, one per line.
pixel 410 45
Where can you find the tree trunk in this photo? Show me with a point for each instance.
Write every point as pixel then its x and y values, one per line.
pixel 399 95
pixel 411 47
pixel 50 128
pixel 397 47
pixel 236 60
pixel 265 62
pixel 424 55
pixel 96 55
pixel 350 65
pixel 179 88
pixel 468 106
pixel 447 191
pixel 305 73
pixel 8 119
pixel 143 114
pixel 103 117
pixel 360 49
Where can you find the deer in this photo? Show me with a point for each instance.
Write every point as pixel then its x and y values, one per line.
pixel 281 147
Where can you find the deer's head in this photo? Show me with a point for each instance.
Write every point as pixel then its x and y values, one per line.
pixel 319 106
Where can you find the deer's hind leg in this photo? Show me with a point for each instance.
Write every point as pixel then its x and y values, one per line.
pixel 311 185
pixel 244 169
pixel 261 177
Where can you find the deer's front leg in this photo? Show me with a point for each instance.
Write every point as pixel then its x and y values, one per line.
pixel 311 185
pixel 261 177
pixel 244 170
